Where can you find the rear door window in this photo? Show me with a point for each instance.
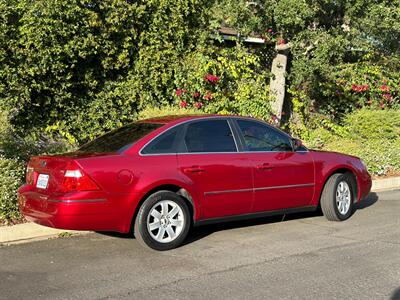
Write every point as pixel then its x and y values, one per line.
pixel 209 136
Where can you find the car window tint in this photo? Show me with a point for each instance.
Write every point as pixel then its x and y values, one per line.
pixel 260 137
pixel 209 136
pixel 120 139
pixel 164 143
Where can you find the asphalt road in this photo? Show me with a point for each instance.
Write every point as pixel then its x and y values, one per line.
pixel 302 256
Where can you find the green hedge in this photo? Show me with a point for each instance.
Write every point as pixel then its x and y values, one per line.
pixel 11 178
pixel 372 135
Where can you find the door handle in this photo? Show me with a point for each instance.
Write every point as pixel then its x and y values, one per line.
pixel 264 166
pixel 193 169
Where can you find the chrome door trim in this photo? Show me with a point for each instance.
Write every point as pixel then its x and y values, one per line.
pixel 259 189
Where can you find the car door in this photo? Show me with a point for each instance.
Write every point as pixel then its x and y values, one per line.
pixel 210 161
pixel 283 178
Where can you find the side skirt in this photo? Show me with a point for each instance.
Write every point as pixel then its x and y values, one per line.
pixel 255 215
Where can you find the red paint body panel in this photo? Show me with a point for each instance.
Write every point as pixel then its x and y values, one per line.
pixel 228 183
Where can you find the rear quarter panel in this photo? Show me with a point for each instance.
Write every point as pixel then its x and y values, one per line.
pixel 127 178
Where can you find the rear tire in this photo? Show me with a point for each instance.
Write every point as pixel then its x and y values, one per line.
pixel 337 198
pixel 163 221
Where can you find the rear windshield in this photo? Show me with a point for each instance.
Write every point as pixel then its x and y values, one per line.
pixel 120 139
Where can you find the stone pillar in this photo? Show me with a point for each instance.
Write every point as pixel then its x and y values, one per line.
pixel 278 81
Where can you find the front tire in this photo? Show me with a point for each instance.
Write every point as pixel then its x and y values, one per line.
pixel 163 221
pixel 337 199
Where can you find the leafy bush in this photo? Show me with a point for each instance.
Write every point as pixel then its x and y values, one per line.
pixel 368 124
pixel 372 135
pixel 11 178
pixel 168 110
pixel 224 80
pixel 80 68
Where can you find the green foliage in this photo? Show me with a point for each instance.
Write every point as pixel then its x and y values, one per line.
pixel 372 135
pixel 224 80
pixel 167 110
pixel 77 68
pixel 11 178
pixel 374 124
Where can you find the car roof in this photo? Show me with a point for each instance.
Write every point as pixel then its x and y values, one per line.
pixel 181 118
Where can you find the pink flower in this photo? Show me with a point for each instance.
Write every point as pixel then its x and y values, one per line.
pixel 183 104
pixel 196 94
pixel 381 104
pixel 198 105
pixel 388 97
pixel 384 88
pixel 208 96
pixel 281 42
pixel 211 79
pixel 179 92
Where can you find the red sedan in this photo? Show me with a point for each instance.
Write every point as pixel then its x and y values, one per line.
pixel 161 176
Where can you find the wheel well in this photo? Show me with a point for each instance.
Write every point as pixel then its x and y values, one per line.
pixel 167 187
pixel 343 171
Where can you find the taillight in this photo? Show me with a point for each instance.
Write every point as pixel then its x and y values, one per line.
pixel 29 175
pixel 76 180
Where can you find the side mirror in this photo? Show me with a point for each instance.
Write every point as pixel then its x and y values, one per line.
pixel 297 144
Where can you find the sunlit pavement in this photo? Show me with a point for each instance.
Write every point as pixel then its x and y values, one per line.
pixel 292 257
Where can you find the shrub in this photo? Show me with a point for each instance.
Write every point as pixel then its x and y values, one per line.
pixel 11 178
pixel 224 80
pixel 168 110
pixel 374 124
pixel 372 135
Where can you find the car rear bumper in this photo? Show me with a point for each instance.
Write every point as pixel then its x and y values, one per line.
pixel 89 211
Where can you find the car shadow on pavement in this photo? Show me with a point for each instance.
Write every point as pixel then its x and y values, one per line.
pixel 198 233
pixel 371 199
pixel 396 294
pixel 201 232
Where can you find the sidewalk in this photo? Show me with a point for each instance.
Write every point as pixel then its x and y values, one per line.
pixel 22 233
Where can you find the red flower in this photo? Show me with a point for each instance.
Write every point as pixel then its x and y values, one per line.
pixel 381 104
pixel 179 92
pixel 384 81
pixel 359 88
pixel 211 78
pixel 384 88
pixel 388 97
pixel 208 96
pixel 183 104
pixel 198 105
pixel 281 42
pixel 196 95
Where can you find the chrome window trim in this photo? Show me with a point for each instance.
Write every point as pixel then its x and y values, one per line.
pixel 226 118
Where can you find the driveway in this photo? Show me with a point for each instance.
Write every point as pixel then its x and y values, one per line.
pixel 297 257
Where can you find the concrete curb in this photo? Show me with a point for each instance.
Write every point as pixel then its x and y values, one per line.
pixel 390 183
pixel 27 232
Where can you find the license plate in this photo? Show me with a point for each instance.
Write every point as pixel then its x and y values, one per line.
pixel 42 181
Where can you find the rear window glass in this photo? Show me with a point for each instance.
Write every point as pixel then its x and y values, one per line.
pixel 120 139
